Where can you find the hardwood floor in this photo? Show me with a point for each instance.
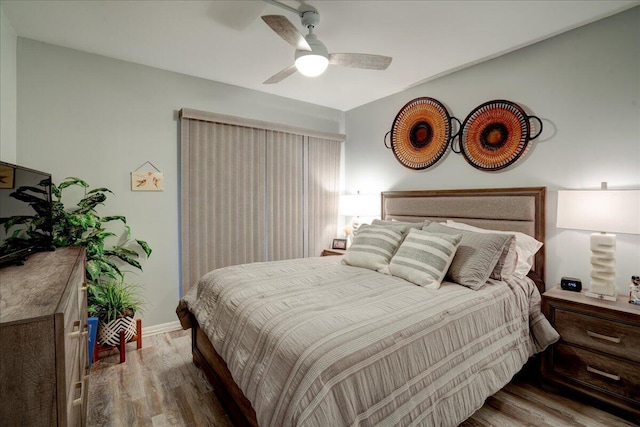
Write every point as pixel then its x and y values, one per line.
pixel 159 385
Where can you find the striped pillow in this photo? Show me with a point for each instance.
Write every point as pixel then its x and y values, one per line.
pixel 526 246
pixel 476 257
pixel 424 257
pixel 417 225
pixel 373 246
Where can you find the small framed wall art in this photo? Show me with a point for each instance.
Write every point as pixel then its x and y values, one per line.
pixel 147 180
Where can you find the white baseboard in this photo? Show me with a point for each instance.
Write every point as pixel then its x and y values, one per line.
pixel 161 329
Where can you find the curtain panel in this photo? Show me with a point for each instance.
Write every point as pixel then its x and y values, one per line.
pixel 251 194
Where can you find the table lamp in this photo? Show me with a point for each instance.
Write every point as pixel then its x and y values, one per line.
pixel 357 206
pixel 604 211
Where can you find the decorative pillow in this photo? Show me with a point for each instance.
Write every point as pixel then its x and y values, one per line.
pixel 423 258
pixel 476 256
pixel 506 265
pixel 409 225
pixel 526 246
pixel 373 246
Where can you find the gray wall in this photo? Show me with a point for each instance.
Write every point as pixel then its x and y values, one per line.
pixel 8 99
pixel 584 84
pixel 99 119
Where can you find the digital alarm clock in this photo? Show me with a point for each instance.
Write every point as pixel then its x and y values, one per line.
pixel 571 284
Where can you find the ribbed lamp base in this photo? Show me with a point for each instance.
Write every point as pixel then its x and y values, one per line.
pixel 603 267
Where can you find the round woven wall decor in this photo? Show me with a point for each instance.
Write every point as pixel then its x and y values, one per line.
pixel 496 134
pixel 420 133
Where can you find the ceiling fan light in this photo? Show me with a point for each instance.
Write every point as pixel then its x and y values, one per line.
pixel 311 65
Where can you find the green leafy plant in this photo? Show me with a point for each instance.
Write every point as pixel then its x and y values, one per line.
pixel 24 231
pixel 82 226
pixel 112 299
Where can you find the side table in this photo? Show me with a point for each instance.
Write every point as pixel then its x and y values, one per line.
pixel 330 252
pixel 598 354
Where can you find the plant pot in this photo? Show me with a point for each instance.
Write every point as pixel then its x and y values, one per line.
pixel 109 333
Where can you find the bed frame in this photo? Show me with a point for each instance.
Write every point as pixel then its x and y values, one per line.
pixel 509 209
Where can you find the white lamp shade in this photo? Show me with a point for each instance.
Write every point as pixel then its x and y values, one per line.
pixel 614 211
pixel 311 65
pixel 359 205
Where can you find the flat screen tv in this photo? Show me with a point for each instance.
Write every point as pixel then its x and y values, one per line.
pixel 25 213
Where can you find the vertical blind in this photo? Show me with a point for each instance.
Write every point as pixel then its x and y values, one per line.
pixel 284 196
pixel 253 191
pixel 323 189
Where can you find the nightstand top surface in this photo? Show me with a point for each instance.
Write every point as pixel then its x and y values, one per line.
pixel 622 304
pixel 334 251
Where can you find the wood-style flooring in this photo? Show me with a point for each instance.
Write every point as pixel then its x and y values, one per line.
pixel 159 385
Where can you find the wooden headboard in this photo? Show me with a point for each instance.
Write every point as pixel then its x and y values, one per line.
pixel 505 209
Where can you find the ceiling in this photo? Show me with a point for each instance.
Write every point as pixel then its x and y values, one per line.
pixel 226 41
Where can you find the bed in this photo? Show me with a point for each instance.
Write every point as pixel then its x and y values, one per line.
pixel 325 341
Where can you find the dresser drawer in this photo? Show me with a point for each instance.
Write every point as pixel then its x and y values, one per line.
pixel 75 398
pixel 82 305
pixel 73 329
pixel 599 334
pixel 598 371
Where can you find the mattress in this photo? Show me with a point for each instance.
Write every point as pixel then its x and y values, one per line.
pixel 313 342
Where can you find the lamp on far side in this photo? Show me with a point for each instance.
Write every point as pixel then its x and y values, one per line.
pixel 357 206
pixel 605 211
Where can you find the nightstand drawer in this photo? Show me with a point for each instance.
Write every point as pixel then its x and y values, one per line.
pixel 599 334
pixel 598 371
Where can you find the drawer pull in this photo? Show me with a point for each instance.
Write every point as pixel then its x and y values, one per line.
pixel 603 337
pixel 603 373
pixel 75 334
pixel 78 401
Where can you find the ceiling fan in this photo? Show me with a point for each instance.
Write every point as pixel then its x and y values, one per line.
pixel 312 56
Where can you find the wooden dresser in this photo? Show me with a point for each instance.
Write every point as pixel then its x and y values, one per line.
pixel 43 339
pixel 598 354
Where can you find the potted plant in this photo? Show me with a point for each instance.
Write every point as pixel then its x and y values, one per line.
pixel 115 304
pixel 109 297
pixel 82 226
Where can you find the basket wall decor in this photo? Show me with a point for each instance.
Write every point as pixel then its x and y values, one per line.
pixel 421 133
pixel 495 135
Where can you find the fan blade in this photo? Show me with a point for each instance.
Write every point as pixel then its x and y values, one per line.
pixel 285 29
pixel 360 60
pixel 278 77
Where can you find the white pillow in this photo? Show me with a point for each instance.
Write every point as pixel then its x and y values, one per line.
pixel 423 258
pixel 526 246
pixel 373 246
pixel 508 261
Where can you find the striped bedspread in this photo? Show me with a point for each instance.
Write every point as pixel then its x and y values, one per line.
pixel 312 342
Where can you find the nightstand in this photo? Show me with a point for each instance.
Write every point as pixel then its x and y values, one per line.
pixel 329 252
pixel 598 354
